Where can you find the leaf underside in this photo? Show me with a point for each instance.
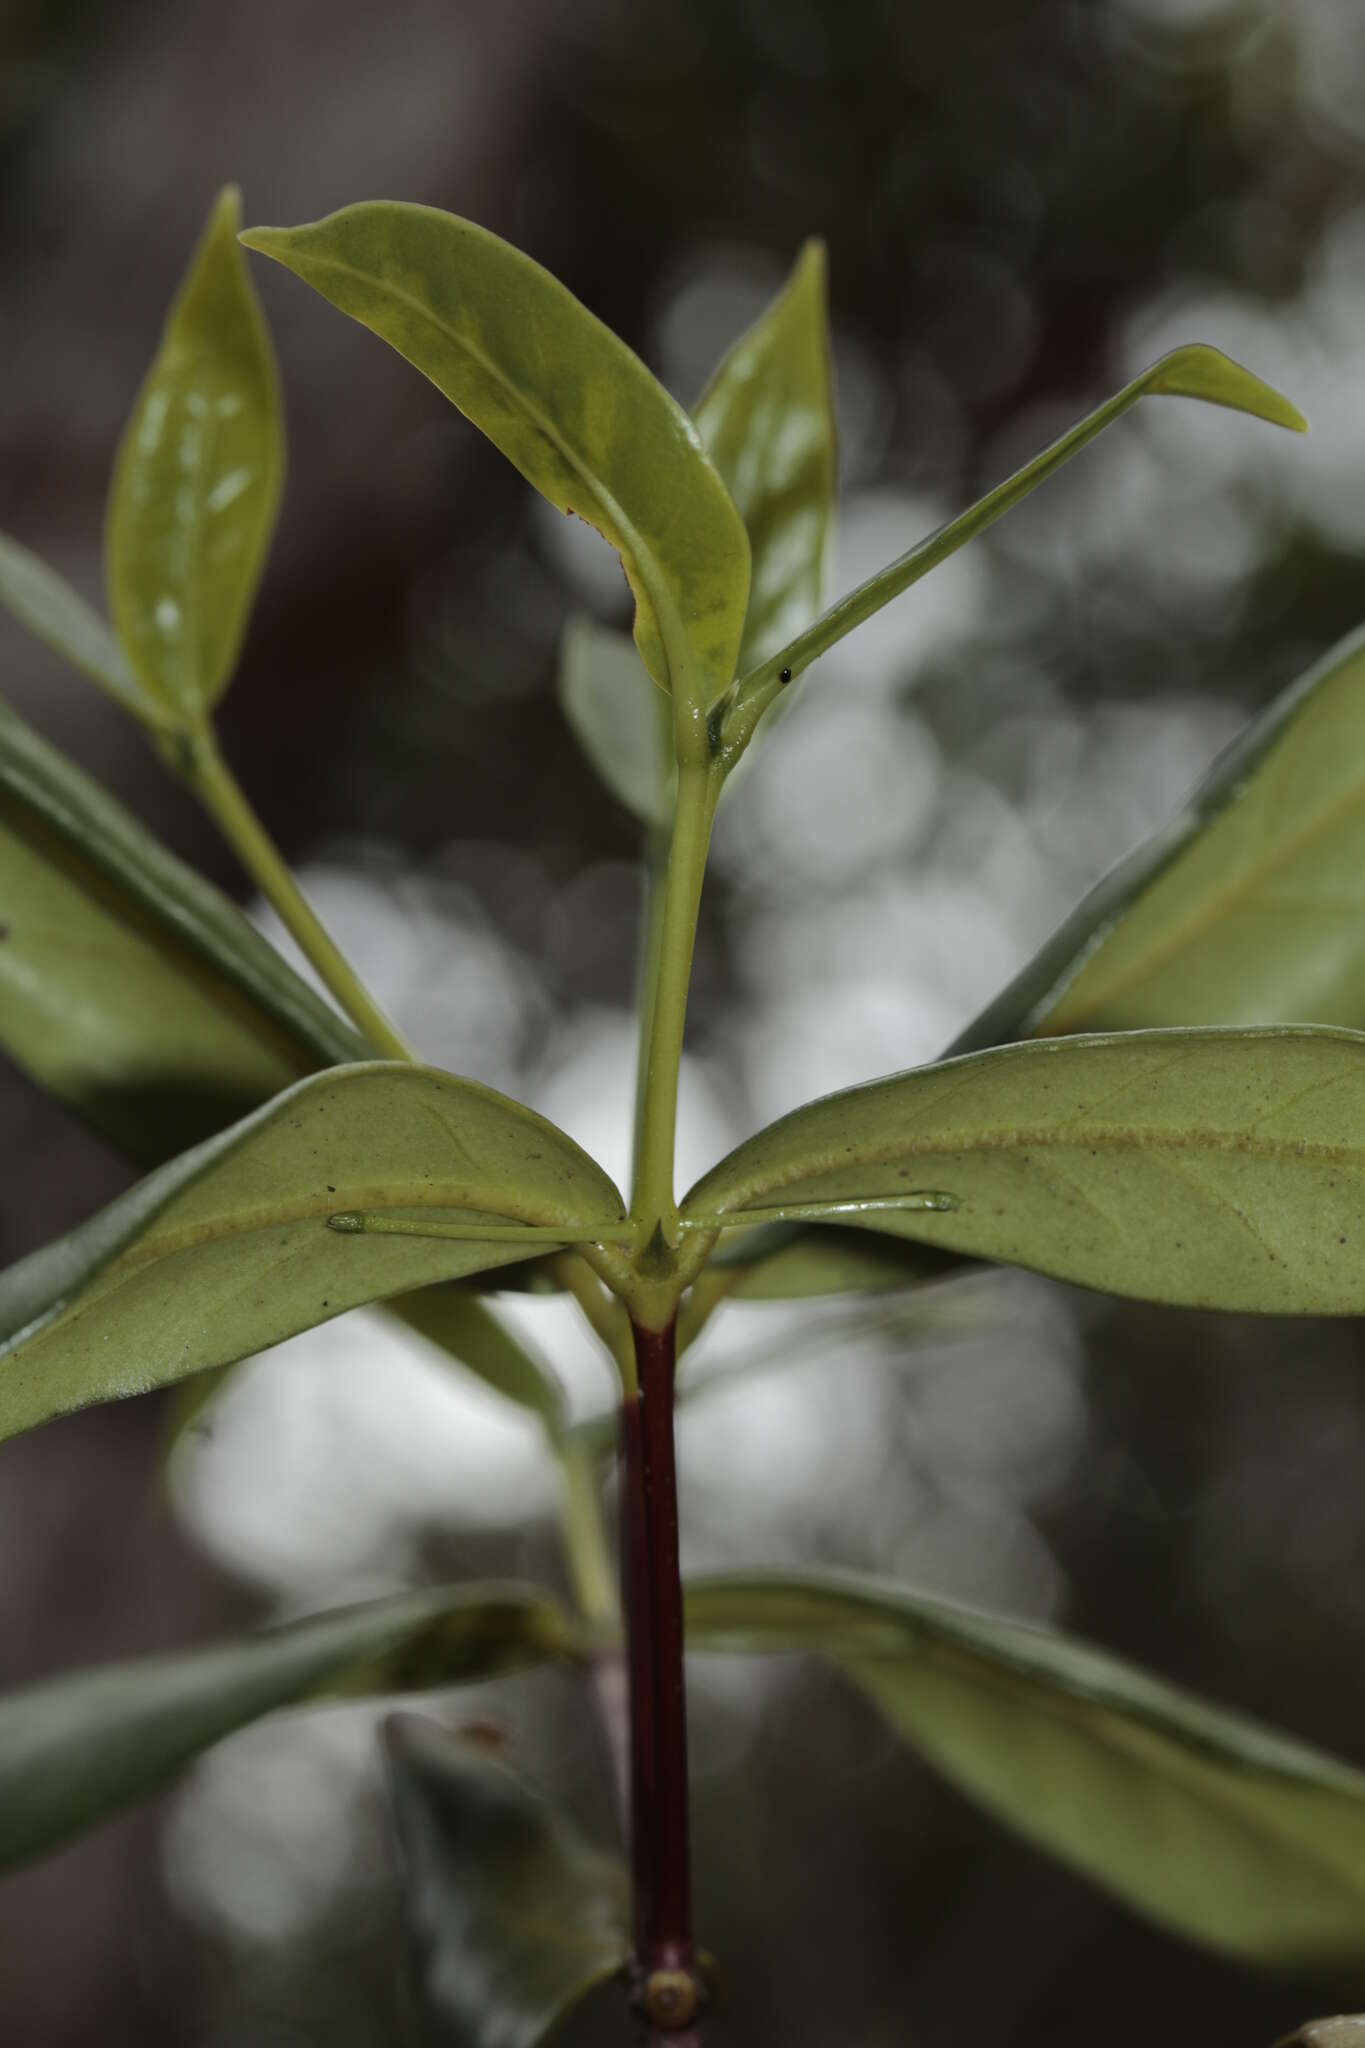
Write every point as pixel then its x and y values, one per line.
pixel 76 1749
pixel 515 1916
pixel 228 1250
pixel 1210 1169
pixel 1209 1823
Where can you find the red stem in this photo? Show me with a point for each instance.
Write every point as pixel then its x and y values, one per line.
pixel 658 1702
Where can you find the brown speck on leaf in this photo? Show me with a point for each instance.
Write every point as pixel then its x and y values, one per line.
pixel 4 931
pixel 483 1734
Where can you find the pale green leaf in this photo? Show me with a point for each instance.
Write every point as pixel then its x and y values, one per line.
pixel 78 1748
pixel 59 616
pixel 131 988
pixel 197 481
pixel 1248 909
pixel 516 1916
pixel 1245 910
pixel 767 419
pixel 450 1317
pixel 791 1262
pixel 228 1249
pixel 1210 1824
pixel 618 718
pixel 1215 1169
pixel 566 402
pixel 461 1326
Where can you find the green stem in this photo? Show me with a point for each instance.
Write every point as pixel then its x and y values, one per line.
pixel 208 775
pixel 754 692
pixel 602 1311
pixel 591 1571
pixel 651 952
pixel 652 1204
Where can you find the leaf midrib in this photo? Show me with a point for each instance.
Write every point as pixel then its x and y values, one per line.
pixel 1198 922
pixel 1107 1137
pixel 1178 1717
pixel 670 625
pixel 422 1195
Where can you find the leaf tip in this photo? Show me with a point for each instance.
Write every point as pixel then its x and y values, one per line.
pixel 226 212
pixel 1200 371
pixel 265 241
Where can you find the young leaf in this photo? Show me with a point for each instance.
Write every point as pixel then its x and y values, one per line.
pixel 1209 1823
pixel 75 1749
pixel 58 615
pixel 1196 371
pixel 767 419
pixel 228 1249
pixel 516 1916
pixel 196 482
pixel 567 403
pixel 1214 1169
pixel 1246 910
pixel 129 986
pixel 618 718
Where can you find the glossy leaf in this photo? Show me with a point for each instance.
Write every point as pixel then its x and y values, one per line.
pixel 228 1249
pixel 1196 371
pixel 1209 1823
pixel 516 1916
pixel 197 481
pixel 131 988
pixel 59 616
pixel 566 402
pixel 1215 1169
pixel 78 1748
pixel 1248 909
pixel 618 718
pixel 767 419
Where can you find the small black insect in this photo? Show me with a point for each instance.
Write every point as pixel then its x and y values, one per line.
pixel 785 676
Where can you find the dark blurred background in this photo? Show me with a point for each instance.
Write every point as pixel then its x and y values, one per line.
pixel 1024 201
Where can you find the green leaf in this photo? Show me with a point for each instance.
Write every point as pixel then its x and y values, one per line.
pixel 1246 910
pixel 75 1749
pixel 1215 1169
pixel 566 402
pixel 458 1323
pixel 516 1916
pixel 767 419
pixel 1196 371
pixel 1207 1822
pixel 197 481
pixel 791 1262
pixel 227 1249
pixel 131 988
pixel 60 617
pixel 618 718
